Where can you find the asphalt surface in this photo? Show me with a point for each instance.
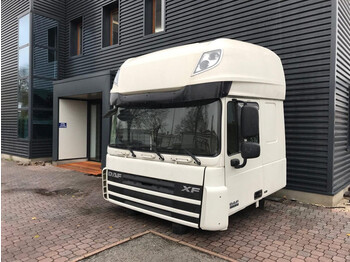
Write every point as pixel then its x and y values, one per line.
pixel 153 248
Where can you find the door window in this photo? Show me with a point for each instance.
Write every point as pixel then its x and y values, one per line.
pixel 232 129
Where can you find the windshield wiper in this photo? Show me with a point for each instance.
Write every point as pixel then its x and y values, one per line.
pixel 198 162
pixel 154 150
pixel 124 147
pixel 158 154
pixel 131 151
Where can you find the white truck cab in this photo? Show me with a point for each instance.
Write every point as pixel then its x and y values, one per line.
pixel 197 132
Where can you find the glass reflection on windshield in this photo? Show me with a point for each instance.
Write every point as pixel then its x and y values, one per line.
pixel 168 130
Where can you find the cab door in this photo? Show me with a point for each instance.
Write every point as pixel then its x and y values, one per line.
pixel 244 180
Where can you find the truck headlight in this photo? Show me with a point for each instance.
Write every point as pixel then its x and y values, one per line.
pixel 208 60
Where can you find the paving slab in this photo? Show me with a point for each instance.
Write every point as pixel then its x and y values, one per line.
pixel 55 214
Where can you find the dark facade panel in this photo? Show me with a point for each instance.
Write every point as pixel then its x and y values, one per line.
pixel 341 176
pixel 298 31
pixel 10 11
pixel 41 148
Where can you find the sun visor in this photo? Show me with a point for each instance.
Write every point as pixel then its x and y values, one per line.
pixel 188 95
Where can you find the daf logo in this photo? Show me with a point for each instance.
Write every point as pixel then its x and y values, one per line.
pixel 114 174
pixel 190 189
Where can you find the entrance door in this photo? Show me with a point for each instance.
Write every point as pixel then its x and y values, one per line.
pixel 72 139
pixel 95 122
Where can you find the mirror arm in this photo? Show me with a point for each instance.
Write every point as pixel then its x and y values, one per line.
pixel 235 163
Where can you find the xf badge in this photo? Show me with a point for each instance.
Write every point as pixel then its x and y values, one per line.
pixel 190 189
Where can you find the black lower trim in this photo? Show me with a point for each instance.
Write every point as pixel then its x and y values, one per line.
pixel 156 199
pixel 188 95
pixel 155 210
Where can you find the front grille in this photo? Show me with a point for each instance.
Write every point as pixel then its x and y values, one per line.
pixel 158 185
pixel 156 210
pixel 140 189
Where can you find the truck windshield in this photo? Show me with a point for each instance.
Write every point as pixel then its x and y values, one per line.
pixel 169 130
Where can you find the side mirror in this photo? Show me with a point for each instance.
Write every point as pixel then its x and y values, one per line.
pixel 250 150
pixel 249 121
pixel 249 129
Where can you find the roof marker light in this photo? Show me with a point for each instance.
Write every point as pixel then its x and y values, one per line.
pixel 208 60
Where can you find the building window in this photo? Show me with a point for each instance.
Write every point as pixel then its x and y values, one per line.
pixel 52 44
pixel 110 24
pixel 76 33
pixel 23 30
pixel 45 70
pixel 154 16
pixel 23 75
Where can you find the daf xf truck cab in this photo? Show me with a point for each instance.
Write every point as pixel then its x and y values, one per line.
pixel 197 132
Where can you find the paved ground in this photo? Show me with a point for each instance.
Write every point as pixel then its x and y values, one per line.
pixel 50 213
pixel 155 249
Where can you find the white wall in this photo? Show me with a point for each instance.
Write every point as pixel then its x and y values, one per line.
pixel 72 141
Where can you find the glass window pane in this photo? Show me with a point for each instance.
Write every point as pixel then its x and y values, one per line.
pixel 169 130
pixel 42 93
pixel 42 124
pixel 23 123
pixel 115 25
pixel 23 30
pixel 52 55
pixel 52 37
pixel 76 36
pixel 232 129
pixel 113 138
pixel 80 38
pixel 23 62
pixel 23 87
pixel 158 16
pixel 42 65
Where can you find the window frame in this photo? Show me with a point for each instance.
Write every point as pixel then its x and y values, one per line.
pixel 219 132
pixel 32 44
pixel 79 43
pixel 238 138
pixel 51 48
pixel 29 77
pixel 36 109
pixel 238 117
pixel 76 31
pixel 107 25
pixel 113 11
pixel 150 22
